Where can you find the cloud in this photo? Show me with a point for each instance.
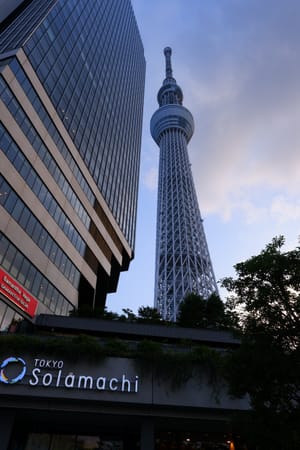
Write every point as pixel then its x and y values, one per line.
pixel 237 63
pixel 150 179
pixel 246 104
pixel 283 209
pixel 280 209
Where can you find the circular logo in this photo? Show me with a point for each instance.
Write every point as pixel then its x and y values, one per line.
pixel 5 374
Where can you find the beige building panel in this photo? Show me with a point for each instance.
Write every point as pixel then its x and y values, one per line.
pixel 16 234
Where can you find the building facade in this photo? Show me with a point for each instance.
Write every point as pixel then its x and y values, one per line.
pixel 72 88
pixel 183 262
pixel 116 395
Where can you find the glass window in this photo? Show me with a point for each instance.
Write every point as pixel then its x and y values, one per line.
pixel 8 258
pixel 47 201
pixel 11 200
pixel 52 208
pixel 31 179
pixel 3 246
pixel 22 272
pixel 43 238
pixel 31 96
pixel 5 141
pixel 48 245
pixel 26 126
pixel 26 85
pixel 58 258
pixel 42 151
pixel 7 319
pixel 18 210
pixel 12 151
pixel 59 305
pixel 53 301
pixel 65 308
pixel 37 232
pixel 63 262
pixel 42 193
pixel 30 278
pixel 47 121
pixel 3 308
pixel 2 85
pixel 17 262
pixel 31 135
pixel 13 106
pixel 30 226
pixel 24 218
pixel 68 268
pixel 19 117
pixel 90 443
pixel 60 441
pixel 25 169
pixel 24 269
pixel 42 290
pixel 37 186
pixel 36 56
pixel 48 294
pixel 38 441
pixel 6 96
pixel 18 161
pixel 36 142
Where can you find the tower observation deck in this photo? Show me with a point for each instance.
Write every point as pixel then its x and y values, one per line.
pixel 183 263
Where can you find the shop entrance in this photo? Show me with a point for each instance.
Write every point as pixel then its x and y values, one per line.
pixel 69 430
pixel 48 441
pixel 73 442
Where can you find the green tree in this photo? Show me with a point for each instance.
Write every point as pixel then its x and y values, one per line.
pixel 147 314
pixel 196 312
pixel 191 311
pixel 266 295
pixel 128 315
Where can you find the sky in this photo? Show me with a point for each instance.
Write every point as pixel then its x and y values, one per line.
pixel 237 62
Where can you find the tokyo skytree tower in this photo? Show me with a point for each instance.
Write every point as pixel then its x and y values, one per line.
pixel 183 264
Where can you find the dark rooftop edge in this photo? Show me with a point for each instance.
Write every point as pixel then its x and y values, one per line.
pixel 127 330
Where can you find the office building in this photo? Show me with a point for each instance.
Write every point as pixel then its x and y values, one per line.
pixel 183 263
pixel 72 87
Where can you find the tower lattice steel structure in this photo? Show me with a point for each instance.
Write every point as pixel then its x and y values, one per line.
pixel 183 264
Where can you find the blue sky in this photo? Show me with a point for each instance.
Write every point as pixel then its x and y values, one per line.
pixel 237 62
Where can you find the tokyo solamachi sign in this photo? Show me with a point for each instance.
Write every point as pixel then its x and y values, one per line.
pixel 49 373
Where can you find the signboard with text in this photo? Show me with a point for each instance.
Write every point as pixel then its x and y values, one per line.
pixel 112 379
pixel 107 380
pixel 12 290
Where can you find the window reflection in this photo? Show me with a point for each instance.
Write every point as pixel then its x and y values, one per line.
pixel 10 320
pixel 43 441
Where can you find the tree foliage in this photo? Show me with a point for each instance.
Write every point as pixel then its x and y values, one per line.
pixel 266 295
pixel 197 312
pixel 147 314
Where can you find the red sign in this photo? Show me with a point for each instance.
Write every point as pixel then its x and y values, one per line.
pixel 17 294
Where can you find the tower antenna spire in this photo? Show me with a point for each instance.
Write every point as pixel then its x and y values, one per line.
pixel 168 53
